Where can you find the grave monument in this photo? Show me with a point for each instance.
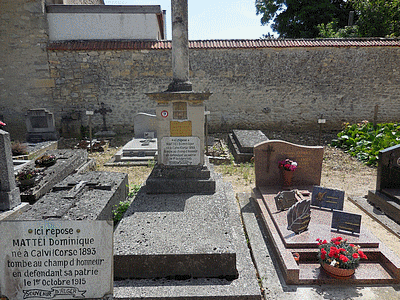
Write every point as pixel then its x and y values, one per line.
pixel 181 164
pixel 40 125
pixel 293 232
pixel 387 193
pixel 242 142
pixel 9 192
pixel 143 147
pixel 181 224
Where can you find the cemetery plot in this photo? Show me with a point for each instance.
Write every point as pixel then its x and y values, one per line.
pixel 67 162
pixel 383 266
pixel 56 259
pixel 40 125
pixel 91 195
pixel 242 142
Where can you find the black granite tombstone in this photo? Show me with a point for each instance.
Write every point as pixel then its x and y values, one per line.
pixel 343 221
pixel 328 198
pixel 387 194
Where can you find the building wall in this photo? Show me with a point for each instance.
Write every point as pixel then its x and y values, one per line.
pixel 88 26
pixel 269 88
pixel 24 73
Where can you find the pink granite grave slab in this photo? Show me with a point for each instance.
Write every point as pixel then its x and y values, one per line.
pixel 269 153
pixel 382 267
pixel 319 226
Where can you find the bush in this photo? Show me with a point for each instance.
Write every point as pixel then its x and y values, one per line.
pixel 364 141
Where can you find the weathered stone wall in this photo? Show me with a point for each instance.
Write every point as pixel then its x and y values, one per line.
pixel 24 73
pixel 271 88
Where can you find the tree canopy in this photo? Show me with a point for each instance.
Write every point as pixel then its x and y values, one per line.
pixel 377 18
pixel 300 18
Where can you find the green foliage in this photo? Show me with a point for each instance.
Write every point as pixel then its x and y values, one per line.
pixel 378 18
pixel 300 18
pixel 120 209
pixel 364 141
pixel 332 30
pixel 133 190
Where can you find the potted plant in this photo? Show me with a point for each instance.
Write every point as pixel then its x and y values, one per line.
pixel 27 176
pixel 287 166
pixel 338 258
pixel 46 160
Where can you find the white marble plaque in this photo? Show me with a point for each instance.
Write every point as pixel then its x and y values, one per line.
pixel 56 259
pixel 180 151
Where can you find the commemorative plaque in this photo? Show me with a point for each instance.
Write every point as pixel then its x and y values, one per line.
pixel 180 151
pixel 56 259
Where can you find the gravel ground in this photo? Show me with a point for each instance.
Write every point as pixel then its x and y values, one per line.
pixel 339 171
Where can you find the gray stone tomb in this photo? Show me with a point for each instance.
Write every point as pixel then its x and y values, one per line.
pixel 143 147
pixel 9 192
pixel 86 196
pixel 242 142
pixel 144 124
pixel 40 125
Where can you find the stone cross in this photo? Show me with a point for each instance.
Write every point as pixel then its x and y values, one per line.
pixel 103 111
pixel 76 187
pixel 9 192
pixel 180 47
pixel 269 151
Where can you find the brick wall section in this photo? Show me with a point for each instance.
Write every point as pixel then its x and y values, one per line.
pixel 262 88
pixel 24 73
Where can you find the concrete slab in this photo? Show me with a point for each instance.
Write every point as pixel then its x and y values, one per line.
pixel 181 179
pixel 67 162
pixel 242 142
pixel 13 213
pixel 138 151
pixel 189 225
pixel 88 196
pixel 377 214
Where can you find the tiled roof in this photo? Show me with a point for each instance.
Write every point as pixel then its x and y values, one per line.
pixel 221 44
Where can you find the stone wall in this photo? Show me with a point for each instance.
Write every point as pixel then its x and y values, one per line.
pixel 24 73
pixel 264 88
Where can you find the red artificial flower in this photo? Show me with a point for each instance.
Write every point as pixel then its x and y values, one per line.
pixel 363 256
pixel 323 255
pixel 355 255
pixel 324 242
pixel 352 245
pixel 343 258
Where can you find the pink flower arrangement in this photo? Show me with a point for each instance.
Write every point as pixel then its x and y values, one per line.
pixel 287 164
pixel 339 254
pixel 2 124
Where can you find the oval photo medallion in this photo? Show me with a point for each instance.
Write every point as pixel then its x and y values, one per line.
pixel 398 161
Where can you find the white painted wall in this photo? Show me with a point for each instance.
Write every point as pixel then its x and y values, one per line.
pixel 98 26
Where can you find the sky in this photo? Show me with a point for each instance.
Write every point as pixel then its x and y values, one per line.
pixel 213 19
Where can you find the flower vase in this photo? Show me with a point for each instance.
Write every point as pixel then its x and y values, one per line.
pixel 287 178
pixel 337 272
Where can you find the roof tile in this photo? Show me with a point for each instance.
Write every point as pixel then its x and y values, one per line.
pixel 90 45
